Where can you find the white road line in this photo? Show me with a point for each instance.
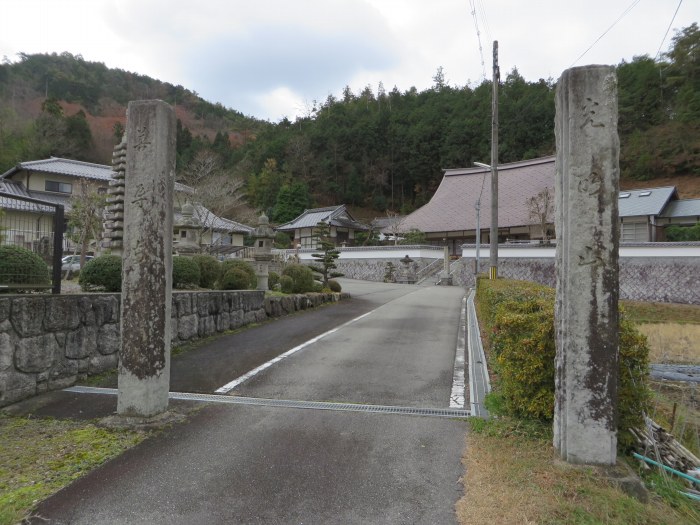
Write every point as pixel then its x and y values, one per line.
pixel 457 395
pixel 233 384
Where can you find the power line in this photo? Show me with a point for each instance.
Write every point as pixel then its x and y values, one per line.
pixel 487 28
pixel 667 30
pixel 478 37
pixel 632 5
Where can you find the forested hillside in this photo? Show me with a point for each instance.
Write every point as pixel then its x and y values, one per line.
pixel 377 149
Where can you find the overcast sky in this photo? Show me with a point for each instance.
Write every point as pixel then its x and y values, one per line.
pixel 272 58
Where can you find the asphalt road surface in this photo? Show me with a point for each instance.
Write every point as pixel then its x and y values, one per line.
pixel 392 345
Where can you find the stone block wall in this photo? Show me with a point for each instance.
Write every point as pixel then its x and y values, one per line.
pixel 48 342
pixel 374 269
pixel 654 279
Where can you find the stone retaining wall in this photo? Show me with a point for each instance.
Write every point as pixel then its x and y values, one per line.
pixel 48 342
pixel 374 269
pixel 654 279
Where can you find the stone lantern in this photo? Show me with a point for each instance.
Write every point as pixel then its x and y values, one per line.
pixel 263 237
pixel 188 227
pixel 406 275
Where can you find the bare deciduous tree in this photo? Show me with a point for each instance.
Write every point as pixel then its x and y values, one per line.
pixel 541 209
pixel 85 217
pixel 216 192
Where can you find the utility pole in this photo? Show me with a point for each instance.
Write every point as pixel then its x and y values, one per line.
pixel 493 258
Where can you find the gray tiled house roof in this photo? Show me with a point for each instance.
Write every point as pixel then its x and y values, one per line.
pixel 74 168
pixel 334 215
pixel 452 208
pixel 210 220
pixel 683 208
pixel 17 189
pixel 651 201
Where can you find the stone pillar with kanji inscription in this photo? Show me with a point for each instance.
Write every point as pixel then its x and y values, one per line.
pixel 587 225
pixel 144 359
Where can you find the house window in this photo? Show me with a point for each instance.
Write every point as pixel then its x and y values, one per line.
pixel 58 187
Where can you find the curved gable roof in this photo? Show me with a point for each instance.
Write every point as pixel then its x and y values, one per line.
pixel 335 215
pixel 453 207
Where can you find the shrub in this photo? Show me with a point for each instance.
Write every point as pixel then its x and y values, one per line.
pixel 21 266
pixel 186 272
pixel 209 270
pixel 302 277
pixel 273 280
pixel 335 286
pixel 235 279
pixel 677 233
pixel 518 320
pixel 103 273
pixel 246 267
pixel 318 287
pixel 287 284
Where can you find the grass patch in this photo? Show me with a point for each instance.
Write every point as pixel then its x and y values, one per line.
pixel 683 421
pixel 38 457
pixel 641 312
pixel 513 477
pixel 675 343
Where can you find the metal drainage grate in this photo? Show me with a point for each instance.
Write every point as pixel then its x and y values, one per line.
pixel 286 403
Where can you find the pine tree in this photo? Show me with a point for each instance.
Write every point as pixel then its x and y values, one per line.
pixel 327 256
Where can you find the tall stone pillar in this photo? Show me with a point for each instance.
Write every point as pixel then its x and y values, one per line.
pixel 587 336
pixel 144 359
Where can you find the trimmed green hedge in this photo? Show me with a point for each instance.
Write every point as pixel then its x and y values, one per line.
pixel 517 318
pixel 209 270
pixel 21 266
pixel 302 278
pixel 186 272
pixel 231 264
pixel 235 279
pixel 103 273
pixel 273 280
pixel 287 284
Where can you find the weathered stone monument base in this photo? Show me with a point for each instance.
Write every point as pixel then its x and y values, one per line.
pixel 168 417
pixel 144 358
pixel 587 265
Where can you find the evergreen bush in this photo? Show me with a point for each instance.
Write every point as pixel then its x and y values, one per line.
pixel 231 264
pixel 518 321
pixel 286 284
pixel 677 233
pixel 21 266
pixel 103 273
pixel 235 279
pixel 335 286
pixel 186 273
pixel 302 277
pixel 273 280
pixel 209 270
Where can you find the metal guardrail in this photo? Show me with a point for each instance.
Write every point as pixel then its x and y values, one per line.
pixel 479 382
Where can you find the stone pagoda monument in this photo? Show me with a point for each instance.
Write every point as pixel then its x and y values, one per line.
pixel 263 237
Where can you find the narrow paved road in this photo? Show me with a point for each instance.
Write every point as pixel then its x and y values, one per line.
pixel 252 464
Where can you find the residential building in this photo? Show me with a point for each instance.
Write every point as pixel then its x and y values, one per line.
pixel 343 226
pixel 57 180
